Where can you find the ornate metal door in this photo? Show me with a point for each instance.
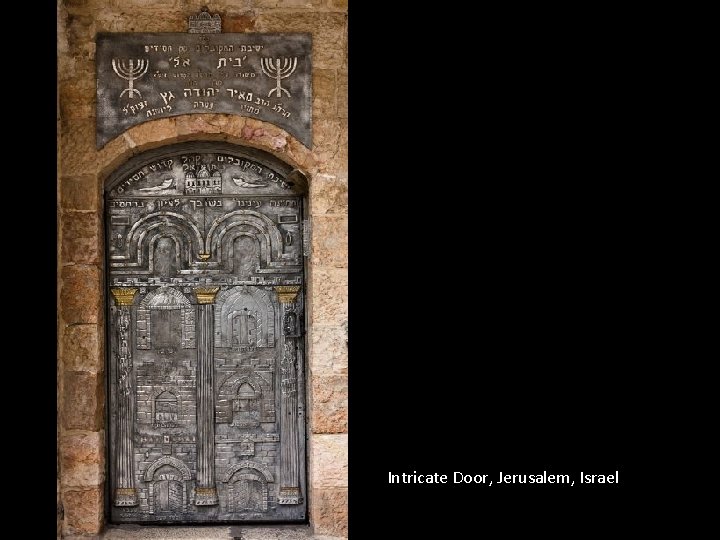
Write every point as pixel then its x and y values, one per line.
pixel 205 337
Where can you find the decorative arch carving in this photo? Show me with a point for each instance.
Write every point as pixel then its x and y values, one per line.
pixel 248 464
pixel 255 301
pixel 167 460
pixel 165 298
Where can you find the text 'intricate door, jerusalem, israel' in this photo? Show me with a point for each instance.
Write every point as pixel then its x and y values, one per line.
pixel 206 346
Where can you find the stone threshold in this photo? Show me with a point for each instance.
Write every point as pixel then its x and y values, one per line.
pixel 199 532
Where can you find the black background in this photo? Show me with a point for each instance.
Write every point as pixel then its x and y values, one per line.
pixel 495 316
pixel 496 319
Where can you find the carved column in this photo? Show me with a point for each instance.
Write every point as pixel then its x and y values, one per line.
pixel 205 490
pixel 125 493
pixel 289 449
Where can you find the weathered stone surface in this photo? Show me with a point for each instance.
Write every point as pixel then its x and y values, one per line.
pixel 153 133
pixel 147 4
pixel 323 88
pixel 342 94
pixel 81 239
pixel 77 82
pixel 329 511
pixel 192 124
pixel 79 193
pixel 327 28
pixel 329 295
pixel 238 23
pixel 330 145
pixel 80 294
pixel 77 148
pixel 79 31
pixel 329 460
pixel 329 404
pixel 298 153
pixel 330 241
pixel 82 459
pixel 329 194
pixel 83 511
pixel 265 135
pixel 81 286
pixel 234 126
pixel 74 106
pixel 162 19
pixel 288 3
pixel 83 400
pixel 113 154
pixel 328 350
pixel 81 349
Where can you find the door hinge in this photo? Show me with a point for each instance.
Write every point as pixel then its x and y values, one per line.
pixel 306 237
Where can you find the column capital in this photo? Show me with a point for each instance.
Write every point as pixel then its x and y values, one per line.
pixel 123 296
pixel 126 497
pixel 287 293
pixel 206 295
pixel 206 496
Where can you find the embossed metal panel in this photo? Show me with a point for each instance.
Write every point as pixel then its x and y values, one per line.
pixel 205 326
pixel 142 77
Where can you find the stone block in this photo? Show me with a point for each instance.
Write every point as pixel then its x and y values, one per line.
pixel 83 398
pixel 329 298
pixel 82 459
pixel 238 23
pixel 81 238
pixel 265 135
pixel 83 511
pixel 288 3
pixel 192 124
pixel 328 30
pixel 329 404
pixel 329 194
pixel 328 350
pixel 329 512
pixel 330 145
pixel 323 89
pixel 329 461
pixel 114 153
pixel 77 148
pixel 164 18
pixel 81 348
pixel 80 294
pixel 342 94
pixel 330 241
pixel 153 133
pixel 80 193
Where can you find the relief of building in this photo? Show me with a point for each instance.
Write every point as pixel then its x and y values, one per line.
pixel 207 346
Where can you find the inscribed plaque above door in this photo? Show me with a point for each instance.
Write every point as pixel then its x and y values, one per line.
pixel 143 76
pixel 205 337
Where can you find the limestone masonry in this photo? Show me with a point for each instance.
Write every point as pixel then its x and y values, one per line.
pixel 84 300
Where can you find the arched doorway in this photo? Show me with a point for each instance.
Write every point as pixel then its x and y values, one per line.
pixel 206 267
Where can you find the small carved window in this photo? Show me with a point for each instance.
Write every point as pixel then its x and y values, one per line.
pixel 244 329
pixel 166 329
pixel 246 407
pixel 166 410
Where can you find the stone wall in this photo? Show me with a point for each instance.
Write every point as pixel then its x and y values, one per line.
pixel 82 170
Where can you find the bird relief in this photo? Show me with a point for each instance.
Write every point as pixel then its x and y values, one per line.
pixel 167 185
pixel 248 182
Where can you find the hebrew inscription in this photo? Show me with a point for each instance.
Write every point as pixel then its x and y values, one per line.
pixel 206 348
pixel 143 76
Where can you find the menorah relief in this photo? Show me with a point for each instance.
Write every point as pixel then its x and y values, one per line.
pixel 130 71
pixel 278 72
